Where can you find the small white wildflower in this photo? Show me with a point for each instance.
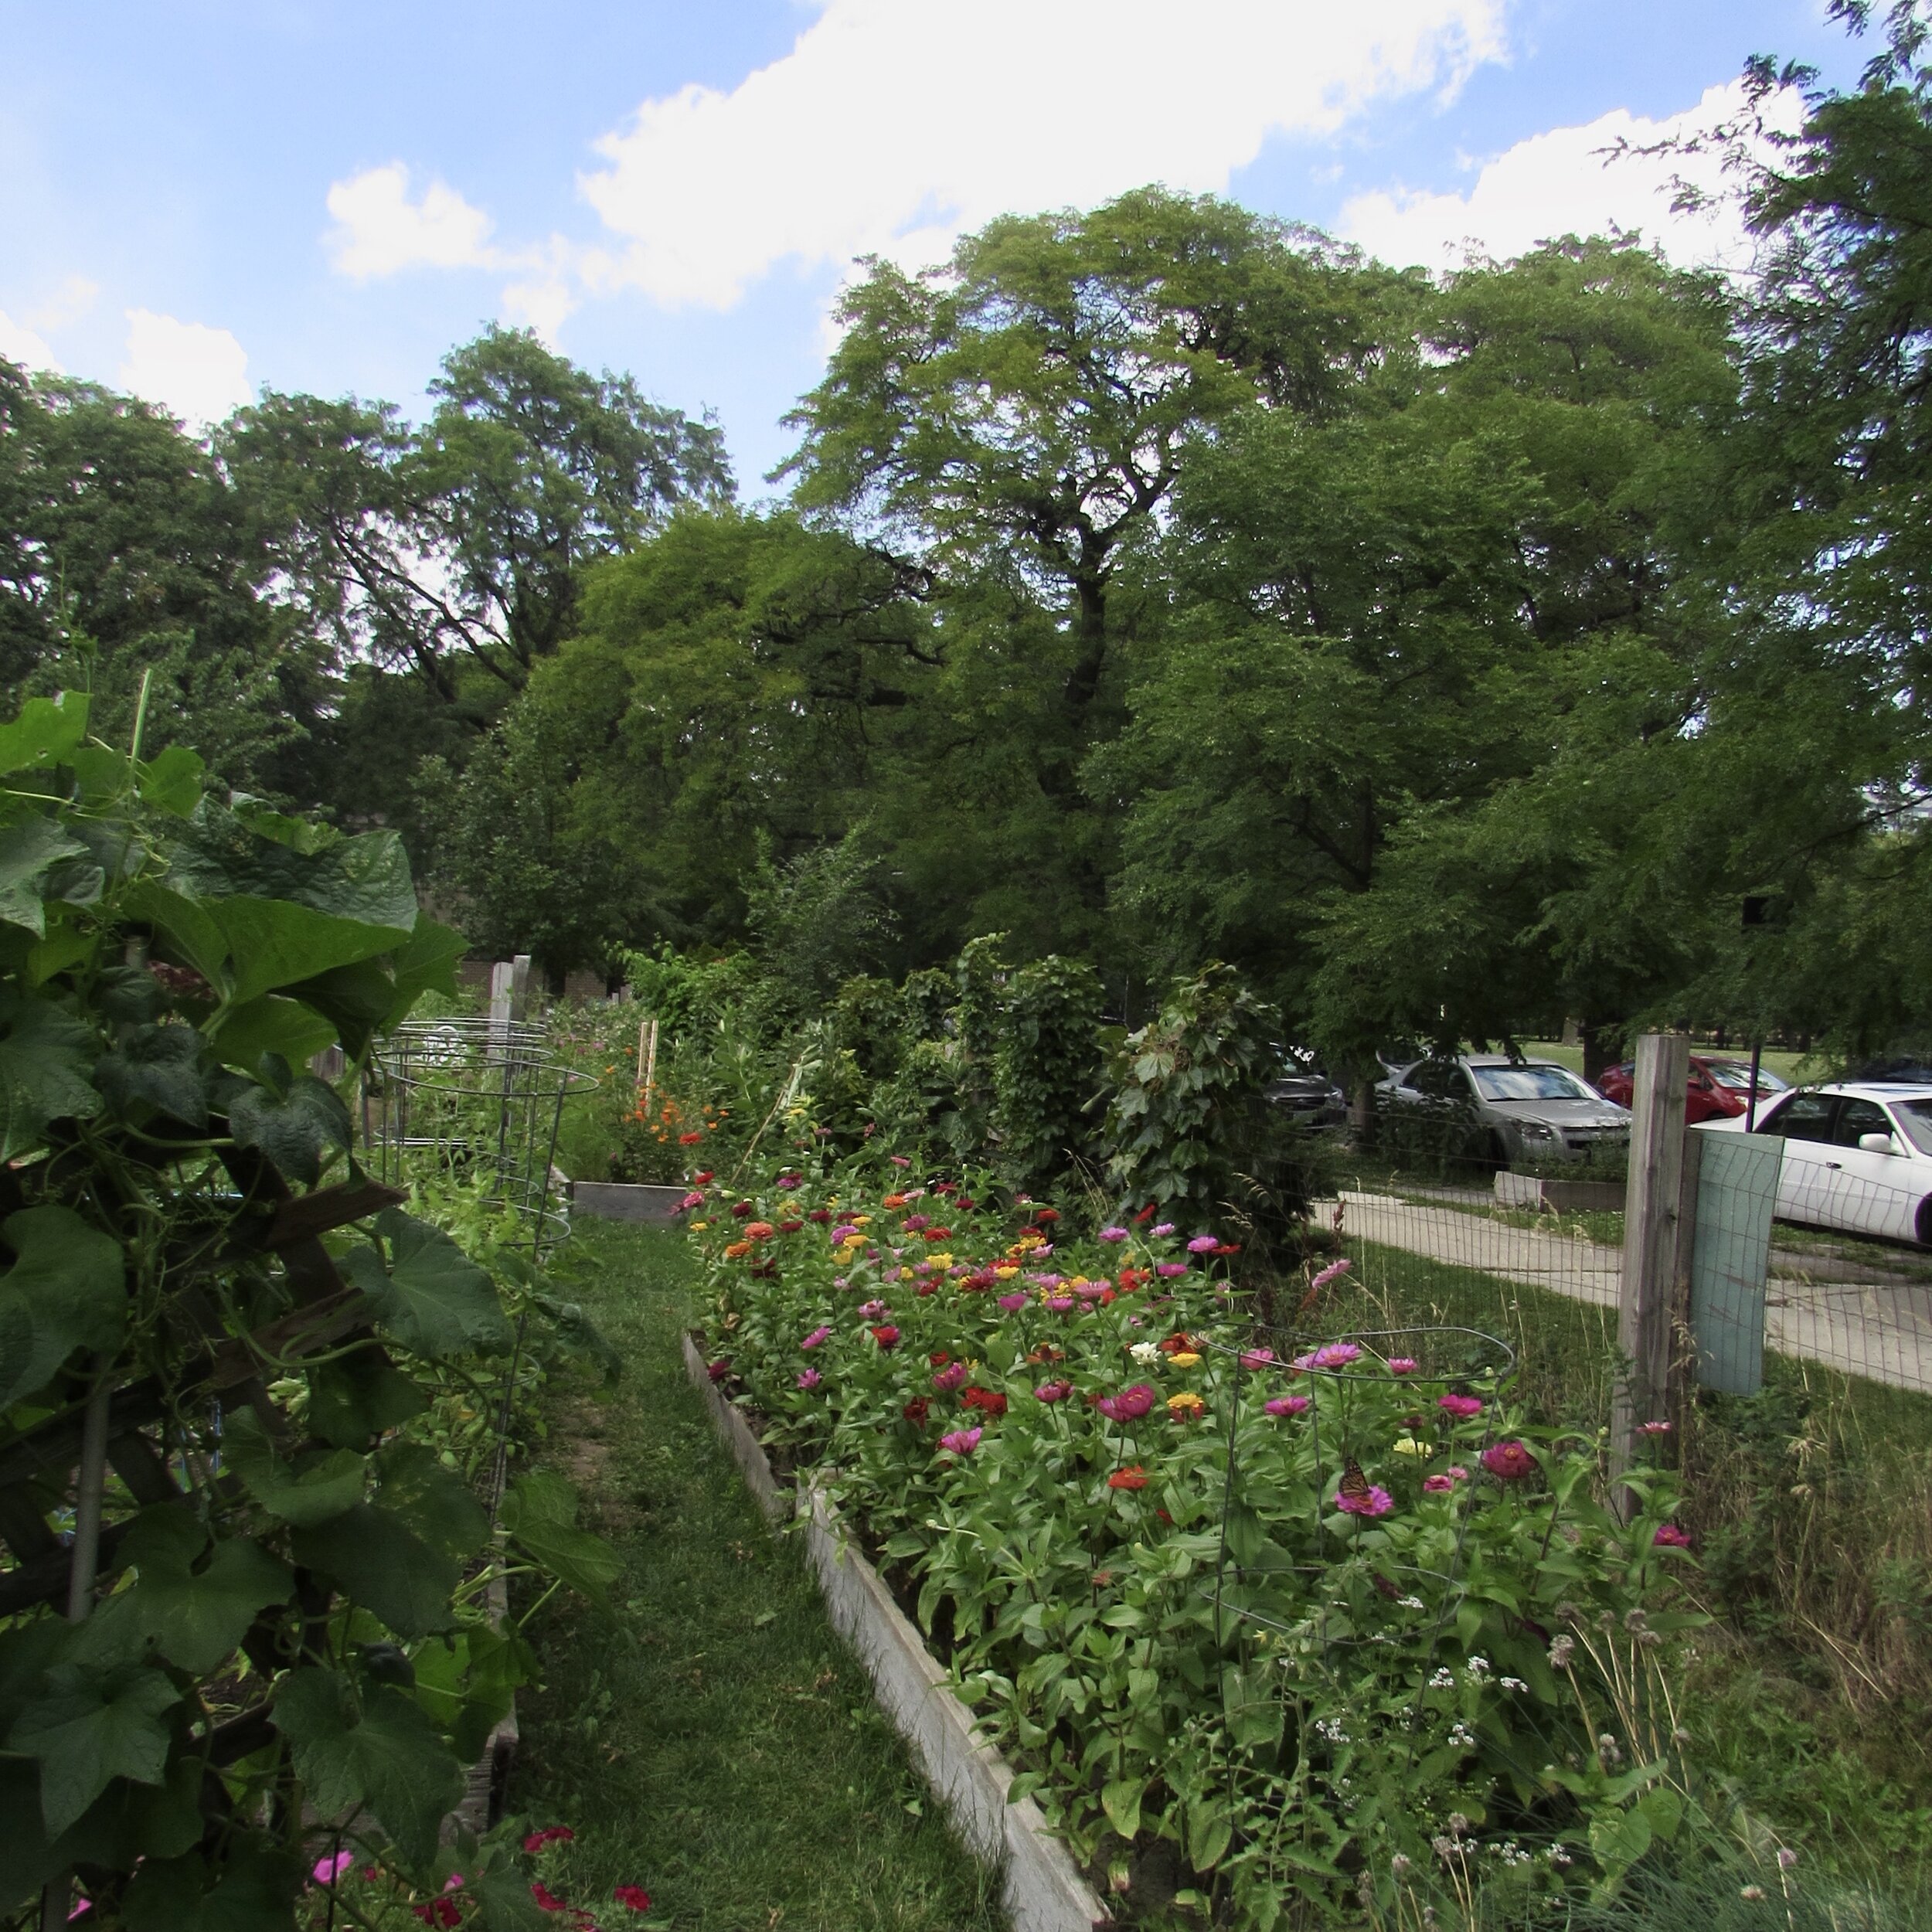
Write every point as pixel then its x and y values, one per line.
pixel 1478 1667
pixel 1513 1683
pixel 1443 1680
pixel 1410 1603
pixel 1459 1734
pixel 1145 1351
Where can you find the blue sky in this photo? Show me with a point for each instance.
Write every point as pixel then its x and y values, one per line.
pixel 204 198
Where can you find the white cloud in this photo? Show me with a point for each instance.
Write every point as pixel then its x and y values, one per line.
pixel 892 126
pixel 1563 182
pixel 198 373
pixel 21 340
pixel 379 231
pixel 26 346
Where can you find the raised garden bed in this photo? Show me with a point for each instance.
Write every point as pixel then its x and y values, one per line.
pixel 1558 1197
pixel 1041 1887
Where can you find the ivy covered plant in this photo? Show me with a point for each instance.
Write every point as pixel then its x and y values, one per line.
pixel 243 1612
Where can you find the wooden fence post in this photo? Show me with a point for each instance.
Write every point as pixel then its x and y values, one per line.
pixel 1654 1227
pixel 520 987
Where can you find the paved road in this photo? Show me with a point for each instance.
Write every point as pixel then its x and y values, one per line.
pixel 1847 1314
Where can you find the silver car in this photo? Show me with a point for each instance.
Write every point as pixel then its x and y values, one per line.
pixel 1510 1110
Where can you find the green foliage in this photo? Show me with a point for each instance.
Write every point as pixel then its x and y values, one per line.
pixel 1046 1070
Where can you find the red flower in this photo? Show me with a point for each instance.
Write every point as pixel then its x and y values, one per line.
pixel 789 1227
pixel 945 1187
pixel 965 1206
pixel 936 1234
pixel 444 1911
pixel 821 1215
pixel 689 1140
pixel 1670 1537
pixel 1147 1213
pixel 915 1411
pixel 546 1900
pixel 1227 1247
pixel 1046 1214
pixel 550 1835
pixel 887 1337
pixel 940 1360
pixel 699 1178
pixel 1508 1461
pixel 1135 1477
pixel 635 1896
pixel 720 1369
pixel 742 1211
pixel 991 1400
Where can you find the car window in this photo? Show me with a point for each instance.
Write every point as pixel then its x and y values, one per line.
pixel 1529 1084
pixel 1432 1078
pixel 1805 1116
pixel 1737 1075
pixel 1915 1117
pixel 1856 1116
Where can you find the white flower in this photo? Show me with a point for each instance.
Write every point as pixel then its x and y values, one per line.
pixel 1410 1603
pixel 1443 1680
pixel 1145 1351
pixel 1461 1734
pixel 1479 1667
pixel 1408 1446
pixel 1514 1684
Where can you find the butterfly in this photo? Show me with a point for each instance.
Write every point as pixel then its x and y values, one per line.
pixel 1354 1485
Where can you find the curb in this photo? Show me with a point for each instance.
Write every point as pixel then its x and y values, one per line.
pixel 1041 1887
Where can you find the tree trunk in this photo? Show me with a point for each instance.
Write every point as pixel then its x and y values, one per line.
pixel 1601 1039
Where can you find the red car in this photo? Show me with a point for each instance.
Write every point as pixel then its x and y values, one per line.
pixel 1719 1088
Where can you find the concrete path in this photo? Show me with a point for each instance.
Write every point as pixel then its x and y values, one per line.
pixel 1845 1314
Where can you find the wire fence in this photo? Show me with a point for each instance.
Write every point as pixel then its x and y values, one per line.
pixel 1796 1248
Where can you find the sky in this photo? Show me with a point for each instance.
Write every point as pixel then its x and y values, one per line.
pixel 201 199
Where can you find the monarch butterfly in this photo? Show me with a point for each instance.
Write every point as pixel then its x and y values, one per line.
pixel 1354 1485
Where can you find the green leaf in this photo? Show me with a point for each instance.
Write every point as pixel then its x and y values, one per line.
pixel 504 1902
pixel 292 1128
pixel 158 1067
pixel 539 1513
pixel 271 1024
pixel 435 1502
pixel 426 963
pixel 1120 1800
pixel 374 1556
pixel 254 1891
pixel 1619 1839
pixel 359 1396
pixel 198 1612
pixel 386 1756
pixel 27 1859
pixel 88 1729
pixel 26 851
pixel 45 1058
pixel 185 924
pixel 171 781
pixel 1210 1832
pixel 356 999
pixel 47 732
pixel 64 1292
pixel 362 881
pixel 432 1297
pixel 309 1491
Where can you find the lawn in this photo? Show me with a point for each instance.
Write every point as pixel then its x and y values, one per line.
pixel 714 1743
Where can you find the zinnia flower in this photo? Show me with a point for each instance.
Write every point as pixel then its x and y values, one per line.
pixel 692 1140
pixel 818 1335
pixel 443 1912
pixel 915 1411
pixel 699 1178
pixel 1377 1502
pixel 691 1200
pixel 720 1369
pixel 1331 1355
pixel 1462 1408
pixel 1653 1429
pixel 635 1896
pixel 949 1379
pixel 1286 1405
pixel 1203 1244
pixel 1331 1273
pixel 1059 1304
pixel 1183 1358
pixel 787 1181
pixel 1438 1485
pixel 899 1160
pixel 328 1870
pixel 1257 1358
pixel 1167 1271
pixel 887 1337
pixel 987 1401
pixel 1113 1234
pixel 1186 1406
pixel 1508 1461
pixel 789 1227
pixel 1401 1364
pixel 961 1442
pixel 1012 1304
pixel 809 1378
pixel 1054 1391
pixel 743 1211
pixel 1132 1478
pixel 1162 1229
pixel 1129 1406
pixel 1670 1537
pixel 871 1310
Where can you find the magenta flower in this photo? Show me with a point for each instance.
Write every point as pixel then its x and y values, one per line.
pixel 328 1870
pixel 845 1231
pixel 1162 1230
pixel 788 1181
pixel 899 1160
pixel 1202 1244
pixel 818 1335
pixel 1053 1391
pixel 1091 1291
pixel 1458 1473
pixel 1167 1271
pixel 871 1310
pixel 1377 1502
pixel 913 1222
pixel 1462 1408
pixel 1129 1406
pixel 1508 1461
pixel 1286 1405
pixel 1012 1304
pixel 1059 1304
pixel 809 1379
pixel 1670 1537
pixel 1401 1364
pixel 1331 1355
pixel 1046 1281
pixel 950 1377
pixel 961 1442
pixel 1438 1485
pixel 1653 1429
pixel 1331 1273
pixel 1258 1358
pixel 691 1200
pixel 1113 1234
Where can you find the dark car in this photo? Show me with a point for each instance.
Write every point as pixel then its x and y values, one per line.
pixel 1301 1087
pixel 1719 1090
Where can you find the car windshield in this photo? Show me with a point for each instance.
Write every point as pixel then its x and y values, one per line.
pixel 1737 1075
pixel 1528 1083
pixel 1916 1117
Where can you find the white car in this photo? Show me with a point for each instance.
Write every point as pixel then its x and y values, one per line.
pixel 1504 1110
pixel 1857 1155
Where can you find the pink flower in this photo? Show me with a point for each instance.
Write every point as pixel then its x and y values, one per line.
pixel 1653 1429
pixel 961 1442
pixel 899 1160
pixel 1458 1473
pixel 1377 1502
pixel 845 1231
pixel 1091 1291
pixel 1257 1358
pixel 949 1377
pixel 1053 1391
pixel 1462 1408
pixel 1129 1406
pixel 1059 1304
pixel 1161 1230
pixel 1203 1244
pixel 1332 1272
pixel 1113 1234
pixel 1438 1485
pixel 790 1181
pixel 871 1310
pixel 818 1335
pixel 720 1369
pixel 913 1222
pixel 1012 1304
pixel 1670 1537
pixel 691 1200
pixel 1286 1405
pixel 1332 1355
pixel 328 1870
pixel 809 1379
pixel 1401 1364
pixel 1167 1271
pixel 1508 1461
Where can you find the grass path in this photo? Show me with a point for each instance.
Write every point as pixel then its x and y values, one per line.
pixel 716 1744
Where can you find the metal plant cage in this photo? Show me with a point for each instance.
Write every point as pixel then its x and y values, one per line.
pixel 476 1095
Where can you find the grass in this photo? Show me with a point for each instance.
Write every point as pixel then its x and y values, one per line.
pixel 714 1743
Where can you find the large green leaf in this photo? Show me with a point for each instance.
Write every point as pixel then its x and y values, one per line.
pixel 253 1890
pixel 158 1067
pixel 272 943
pixel 89 1728
pixel 386 1756
pixel 171 781
pixel 432 1297
pixel 425 964
pixel 362 881
pixel 26 850
pixel 356 999
pixel 435 1502
pixel 271 1024
pixel 47 732
pixel 374 1556
pixel 292 1122
pixel 539 1512
pixel 45 1058
pixel 185 924
pixel 63 1292
pixel 359 1396
pixel 196 1606
pixel 307 1491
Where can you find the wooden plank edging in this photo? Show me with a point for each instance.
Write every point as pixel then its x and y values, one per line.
pixel 1041 1887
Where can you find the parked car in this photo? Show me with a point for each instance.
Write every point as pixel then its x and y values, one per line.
pixel 1301 1085
pixel 1514 1109
pixel 1719 1089
pixel 1857 1155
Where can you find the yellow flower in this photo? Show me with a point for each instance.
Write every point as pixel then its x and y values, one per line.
pixel 698 1227
pixel 1408 1446
pixel 1186 1403
pixel 940 1260
pixel 862 1220
pixel 1183 1359
pixel 1005 1272
pixel 905 1274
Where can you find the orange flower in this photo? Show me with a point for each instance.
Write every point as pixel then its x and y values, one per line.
pixel 759 1231
pixel 1133 1478
pixel 737 1249
pixel 689 1140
